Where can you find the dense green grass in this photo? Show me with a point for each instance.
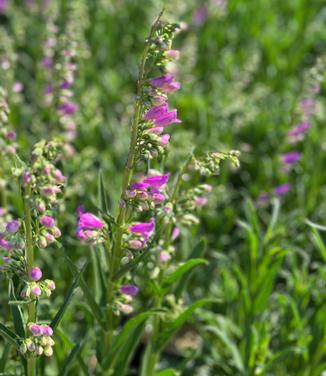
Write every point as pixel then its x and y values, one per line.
pixel 242 72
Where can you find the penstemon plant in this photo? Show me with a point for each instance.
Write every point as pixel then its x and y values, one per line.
pixel 142 279
pixel 139 242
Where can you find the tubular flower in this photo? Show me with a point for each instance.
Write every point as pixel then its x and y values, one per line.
pixel 145 229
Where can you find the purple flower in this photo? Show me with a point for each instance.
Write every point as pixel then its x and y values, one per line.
pixel 166 83
pixel 201 201
pixel 157 181
pixel 47 221
pixel 36 330
pixel 130 290
pixel 13 226
pixel 200 15
pixel 68 108
pixel 3 6
pixel 17 87
pixel 90 221
pixel 157 111
pixel 298 131
pixel 47 330
pixel 11 135
pixel 282 189
pixel 144 228
pixel 5 244
pixel 291 158
pixel 263 198
pixel 167 119
pixel 308 106
pixel 47 62
pixel 35 274
pixel 140 186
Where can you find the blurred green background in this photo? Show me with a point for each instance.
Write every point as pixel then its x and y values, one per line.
pixel 243 66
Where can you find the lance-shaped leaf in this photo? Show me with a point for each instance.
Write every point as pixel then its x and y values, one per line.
pixel 57 318
pixel 16 312
pixel 181 270
pixel 9 335
pixel 123 336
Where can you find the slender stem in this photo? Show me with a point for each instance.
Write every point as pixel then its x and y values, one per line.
pixel 128 173
pixel 29 256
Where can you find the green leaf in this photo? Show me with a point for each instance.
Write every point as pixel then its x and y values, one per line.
pixel 4 356
pixel 197 252
pixel 127 351
pixel 123 336
pixel 172 327
pixel 319 243
pixel 71 357
pixel 16 312
pixel 95 308
pixel 167 372
pixel 280 356
pixel 181 270
pixel 9 335
pixel 102 194
pixel 230 345
pixel 55 322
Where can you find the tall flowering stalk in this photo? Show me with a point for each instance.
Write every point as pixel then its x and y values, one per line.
pixel 20 239
pixel 149 216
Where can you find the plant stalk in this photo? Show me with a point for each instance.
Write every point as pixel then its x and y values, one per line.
pixel 127 176
pixel 29 256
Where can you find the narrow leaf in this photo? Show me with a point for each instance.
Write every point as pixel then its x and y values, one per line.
pixel 181 270
pixel 9 335
pixel 55 322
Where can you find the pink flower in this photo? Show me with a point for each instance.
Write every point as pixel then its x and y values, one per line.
pixel 166 83
pixel 36 330
pixel 167 119
pixel 47 221
pixel 201 201
pixel 157 181
pixel 144 228
pixel 156 111
pixel 35 274
pixel 47 330
pixel 89 220
pixel 165 256
pixel 36 290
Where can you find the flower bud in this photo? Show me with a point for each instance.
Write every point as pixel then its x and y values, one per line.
pixel 36 290
pixel 48 351
pixel 39 350
pixel 56 232
pixel 35 274
pixel 126 308
pixel 47 221
pixel 50 284
pixel 47 330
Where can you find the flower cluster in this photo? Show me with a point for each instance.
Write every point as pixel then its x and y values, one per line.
pixel 148 192
pixel 306 109
pixel 7 135
pixel 35 288
pixel 45 183
pixel 39 342
pixel 60 66
pixel 127 293
pixel 140 233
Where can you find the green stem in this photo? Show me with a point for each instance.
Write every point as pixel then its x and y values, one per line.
pixel 117 249
pixel 29 256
